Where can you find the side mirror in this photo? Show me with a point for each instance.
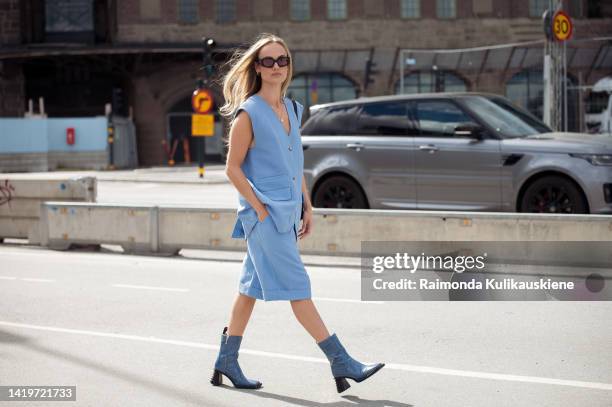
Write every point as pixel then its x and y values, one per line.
pixel 470 130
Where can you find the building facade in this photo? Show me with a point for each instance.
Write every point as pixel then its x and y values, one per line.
pixel 80 54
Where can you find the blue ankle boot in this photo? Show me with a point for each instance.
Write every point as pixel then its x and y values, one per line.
pixel 343 366
pixel 227 364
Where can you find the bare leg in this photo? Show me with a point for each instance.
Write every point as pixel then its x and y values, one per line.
pixel 307 314
pixel 241 312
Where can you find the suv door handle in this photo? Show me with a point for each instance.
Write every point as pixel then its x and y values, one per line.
pixel 355 146
pixel 429 147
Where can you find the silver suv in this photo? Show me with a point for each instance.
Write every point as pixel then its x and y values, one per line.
pixel 451 151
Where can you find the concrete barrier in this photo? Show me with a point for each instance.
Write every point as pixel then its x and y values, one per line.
pixel 143 229
pixel 20 202
pixel 131 227
pixel 167 229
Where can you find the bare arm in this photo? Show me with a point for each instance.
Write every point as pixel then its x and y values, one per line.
pixel 307 203
pixel 306 228
pixel 240 137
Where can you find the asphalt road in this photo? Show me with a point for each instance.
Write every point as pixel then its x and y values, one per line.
pixel 157 185
pixel 204 195
pixel 145 331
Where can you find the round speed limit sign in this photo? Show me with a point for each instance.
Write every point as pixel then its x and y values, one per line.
pixel 562 26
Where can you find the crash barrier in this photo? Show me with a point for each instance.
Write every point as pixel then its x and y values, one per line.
pixel 167 229
pixel 21 199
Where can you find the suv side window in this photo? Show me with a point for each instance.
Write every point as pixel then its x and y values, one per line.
pixel 386 119
pixel 338 120
pixel 438 118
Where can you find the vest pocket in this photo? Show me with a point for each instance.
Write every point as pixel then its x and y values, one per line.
pixel 279 194
pixel 276 187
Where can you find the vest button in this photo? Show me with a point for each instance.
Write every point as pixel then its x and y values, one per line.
pixel 290 148
pixel 294 178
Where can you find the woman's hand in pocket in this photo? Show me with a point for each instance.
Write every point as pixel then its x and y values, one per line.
pixel 262 215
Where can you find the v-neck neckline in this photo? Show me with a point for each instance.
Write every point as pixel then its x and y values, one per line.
pixel 288 134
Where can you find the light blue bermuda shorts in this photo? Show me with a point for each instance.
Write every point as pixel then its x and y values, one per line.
pixel 272 268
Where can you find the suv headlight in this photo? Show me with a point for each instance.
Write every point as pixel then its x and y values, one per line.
pixel 595 159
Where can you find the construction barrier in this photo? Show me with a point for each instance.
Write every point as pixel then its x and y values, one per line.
pixel 20 202
pixel 167 229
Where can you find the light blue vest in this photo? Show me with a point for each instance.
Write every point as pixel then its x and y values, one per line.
pixel 273 167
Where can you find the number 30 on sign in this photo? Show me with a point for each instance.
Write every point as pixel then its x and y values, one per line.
pixel 562 26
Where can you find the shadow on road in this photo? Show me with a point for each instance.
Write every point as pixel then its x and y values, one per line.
pixel 348 402
pixel 178 394
pixel 181 394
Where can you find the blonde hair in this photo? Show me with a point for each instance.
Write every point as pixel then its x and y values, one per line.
pixel 242 80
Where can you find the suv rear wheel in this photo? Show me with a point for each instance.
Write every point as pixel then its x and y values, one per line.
pixel 553 194
pixel 339 192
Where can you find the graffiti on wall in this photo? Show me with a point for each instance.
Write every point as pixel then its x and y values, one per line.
pixel 6 192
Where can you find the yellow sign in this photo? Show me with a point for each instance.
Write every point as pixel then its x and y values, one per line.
pixel 201 101
pixel 562 26
pixel 202 125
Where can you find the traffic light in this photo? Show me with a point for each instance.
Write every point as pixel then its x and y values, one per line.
pixel 207 64
pixel 209 43
pixel 547 23
pixel 118 102
pixel 369 73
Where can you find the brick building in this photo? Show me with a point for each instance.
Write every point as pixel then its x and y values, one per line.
pixel 76 53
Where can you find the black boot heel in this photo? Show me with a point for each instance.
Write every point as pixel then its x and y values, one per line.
pixel 342 384
pixel 217 378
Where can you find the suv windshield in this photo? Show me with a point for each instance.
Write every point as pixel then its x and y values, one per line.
pixel 507 120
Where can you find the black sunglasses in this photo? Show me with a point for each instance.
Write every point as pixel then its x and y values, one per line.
pixel 268 62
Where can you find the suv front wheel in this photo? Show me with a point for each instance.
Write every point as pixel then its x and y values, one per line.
pixel 553 194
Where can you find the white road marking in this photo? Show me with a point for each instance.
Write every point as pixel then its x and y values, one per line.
pixel 394 366
pixel 346 300
pixel 145 287
pixel 144 185
pixel 186 290
pixel 38 280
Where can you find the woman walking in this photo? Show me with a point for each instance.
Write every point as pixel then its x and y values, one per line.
pixel 265 164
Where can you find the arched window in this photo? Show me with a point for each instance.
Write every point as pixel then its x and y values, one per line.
pixel 526 89
pixel 431 81
pixel 311 89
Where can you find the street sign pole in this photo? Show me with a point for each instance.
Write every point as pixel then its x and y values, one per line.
pixel 202 122
pixel 558 29
pixel 565 86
